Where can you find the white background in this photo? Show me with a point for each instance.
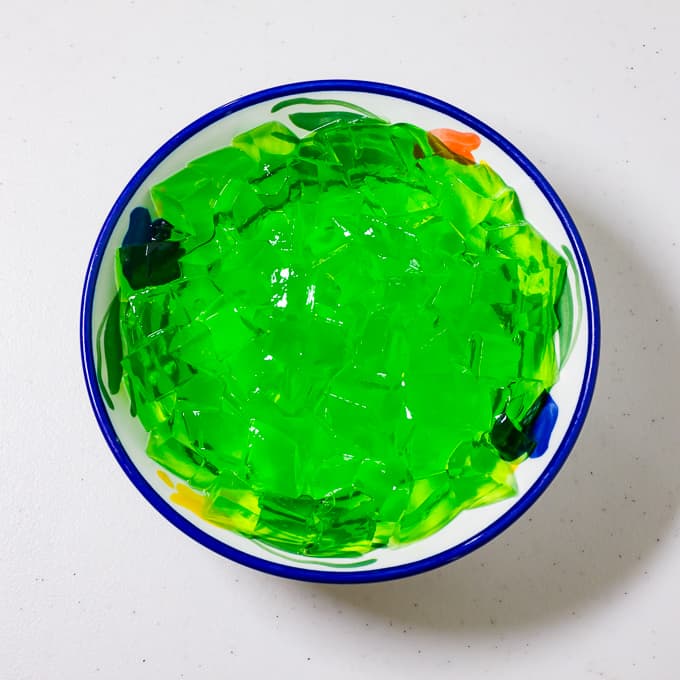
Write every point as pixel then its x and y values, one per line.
pixel 95 584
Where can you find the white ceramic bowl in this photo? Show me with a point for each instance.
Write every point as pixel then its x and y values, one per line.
pixel 543 209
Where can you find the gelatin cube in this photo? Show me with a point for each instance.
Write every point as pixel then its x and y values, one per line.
pixel 404 137
pixel 280 475
pixel 267 143
pixel 179 458
pixel 357 409
pixel 453 296
pixel 331 234
pixel 505 209
pixel 384 533
pixel 257 371
pixel 472 458
pixel 275 229
pixel 432 515
pixel 273 190
pixel 397 200
pixel 199 219
pixel 150 264
pixel 463 207
pixel 172 211
pixel 225 164
pixel 373 155
pixel 231 514
pixel 439 236
pixel 480 178
pixel 225 204
pixel 199 390
pixel 498 358
pixel 378 342
pixel 426 488
pixel 197 352
pixel 160 230
pixel 427 494
pixel 204 476
pixel 479 490
pixel 394 505
pixel 348 528
pixel 491 283
pixel 523 394
pixel 185 201
pixel 154 412
pixel 160 372
pixel 428 450
pixel 345 538
pixel 232 504
pixel 523 245
pixel 539 359
pixel 227 327
pixel 197 296
pixel 510 441
pixel 340 467
pixel 380 478
pixel 148 312
pixel 346 412
pixel 335 143
pixel 181 185
pixel 287 523
pixel 537 283
pixel 224 435
pixel 299 392
pixel 465 403
pixel 209 256
pixel 503 474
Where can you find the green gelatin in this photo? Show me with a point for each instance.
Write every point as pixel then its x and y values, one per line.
pixel 339 340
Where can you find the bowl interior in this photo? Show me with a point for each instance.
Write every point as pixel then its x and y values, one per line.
pixel 542 209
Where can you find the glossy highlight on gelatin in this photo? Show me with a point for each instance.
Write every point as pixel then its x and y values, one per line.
pixel 338 339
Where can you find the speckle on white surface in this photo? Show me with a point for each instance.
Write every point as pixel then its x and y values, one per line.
pixel 94 583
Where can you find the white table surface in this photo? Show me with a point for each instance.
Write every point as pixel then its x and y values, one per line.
pixel 95 584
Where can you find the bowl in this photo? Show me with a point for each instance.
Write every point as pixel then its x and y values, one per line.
pixel 555 425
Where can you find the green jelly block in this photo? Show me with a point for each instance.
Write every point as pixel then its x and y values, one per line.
pixel 342 341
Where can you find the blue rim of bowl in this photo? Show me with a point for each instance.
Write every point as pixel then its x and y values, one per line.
pixel 369 575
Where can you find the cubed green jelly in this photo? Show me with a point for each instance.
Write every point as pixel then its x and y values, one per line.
pixel 348 339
